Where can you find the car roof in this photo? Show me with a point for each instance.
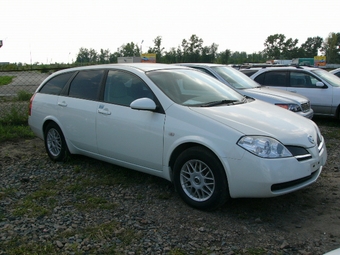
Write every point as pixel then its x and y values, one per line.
pixel 145 67
pixel 335 70
pixel 200 64
pixel 282 68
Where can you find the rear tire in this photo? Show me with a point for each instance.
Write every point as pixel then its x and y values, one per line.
pixel 55 144
pixel 200 179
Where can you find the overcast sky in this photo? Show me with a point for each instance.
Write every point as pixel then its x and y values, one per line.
pixel 48 31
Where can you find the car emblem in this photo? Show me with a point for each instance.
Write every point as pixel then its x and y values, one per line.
pixel 311 139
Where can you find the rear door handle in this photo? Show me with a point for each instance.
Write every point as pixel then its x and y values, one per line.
pixel 104 111
pixel 294 91
pixel 63 104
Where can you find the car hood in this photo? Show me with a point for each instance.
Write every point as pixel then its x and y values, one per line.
pixel 278 94
pixel 261 118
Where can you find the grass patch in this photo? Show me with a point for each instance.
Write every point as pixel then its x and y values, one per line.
pixel 20 247
pixel 31 205
pixel 12 132
pixel 89 202
pixel 24 96
pixel 30 208
pixel 4 80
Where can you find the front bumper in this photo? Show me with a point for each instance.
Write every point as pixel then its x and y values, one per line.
pixel 252 176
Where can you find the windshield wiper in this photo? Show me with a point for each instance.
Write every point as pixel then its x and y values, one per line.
pixel 220 102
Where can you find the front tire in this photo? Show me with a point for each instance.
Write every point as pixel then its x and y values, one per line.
pixel 55 144
pixel 200 179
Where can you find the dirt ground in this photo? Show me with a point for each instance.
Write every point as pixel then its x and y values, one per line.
pixel 311 214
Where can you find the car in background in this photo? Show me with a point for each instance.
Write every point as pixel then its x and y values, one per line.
pixel 179 124
pixel 246 86
pixel 333 252
pixel 336 72
pixel 321 87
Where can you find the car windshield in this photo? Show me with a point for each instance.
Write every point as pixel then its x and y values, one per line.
pixel 235 78
pixel 332 79
pixel 194 88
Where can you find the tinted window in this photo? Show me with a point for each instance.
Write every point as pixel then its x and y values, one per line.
pixel 122 88
pixel 86 84
pixel 302 80
pixel 56 84
pixel 272 79
pixel 248 72
pixel 203 70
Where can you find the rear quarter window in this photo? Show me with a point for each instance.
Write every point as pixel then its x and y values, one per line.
pixel 86 84
pixel 55 85
pixel 248 72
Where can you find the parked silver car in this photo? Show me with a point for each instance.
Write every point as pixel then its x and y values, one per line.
pixel 336 72
pixel 246 86
pixel 321 87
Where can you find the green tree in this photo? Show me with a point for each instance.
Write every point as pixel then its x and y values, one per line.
pixel 331 48
pixel 223 57
pixel 238 57
pixel 104 56
pixel 274 45
pixel 157 49
pixel 209 53
pixel 192 49
pixel 290 50
pixel 129 50
pixel 310 47
pixel 83 56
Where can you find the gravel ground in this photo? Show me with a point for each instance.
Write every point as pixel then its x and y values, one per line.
pixel 89 207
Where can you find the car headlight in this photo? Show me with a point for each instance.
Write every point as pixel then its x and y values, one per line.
pixel 291 107
pixel 264 147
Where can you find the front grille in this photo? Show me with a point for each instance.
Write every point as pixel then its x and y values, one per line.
pixel 284 185
pixel 299 153
pixel 305 107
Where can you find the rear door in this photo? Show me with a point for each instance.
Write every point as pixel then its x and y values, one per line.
pixel 78 107
pixel 277 79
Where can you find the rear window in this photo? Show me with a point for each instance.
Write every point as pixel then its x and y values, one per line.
pixel 55 85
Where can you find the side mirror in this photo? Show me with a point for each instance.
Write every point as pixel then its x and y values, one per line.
pixel 319 84
pixel 143 104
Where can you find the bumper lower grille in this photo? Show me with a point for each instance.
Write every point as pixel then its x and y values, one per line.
pixel 284 185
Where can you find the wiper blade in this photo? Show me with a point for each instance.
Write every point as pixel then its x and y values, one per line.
pixel 220 102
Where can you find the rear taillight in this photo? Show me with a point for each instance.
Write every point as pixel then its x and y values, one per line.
pixel 30 106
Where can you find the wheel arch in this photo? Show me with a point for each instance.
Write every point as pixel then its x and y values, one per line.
pixel 184 146
pixel 52 120
pixel 337 112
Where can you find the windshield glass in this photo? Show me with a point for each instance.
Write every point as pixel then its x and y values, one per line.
pixel 193 88
pixel 332 79
pixel 235 78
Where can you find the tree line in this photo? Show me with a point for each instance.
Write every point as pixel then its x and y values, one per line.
pixel 276 46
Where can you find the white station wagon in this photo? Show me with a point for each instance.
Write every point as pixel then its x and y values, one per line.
pixel 181 125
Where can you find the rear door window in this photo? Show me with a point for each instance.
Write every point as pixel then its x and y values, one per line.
pixel 86 84
pixel 274 78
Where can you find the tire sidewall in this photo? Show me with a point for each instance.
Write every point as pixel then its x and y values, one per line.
pixel 62 156
pixel 221 191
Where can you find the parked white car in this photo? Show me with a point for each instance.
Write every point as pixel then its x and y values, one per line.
pixel 322 88
pixel 181 125
pixel 246 86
